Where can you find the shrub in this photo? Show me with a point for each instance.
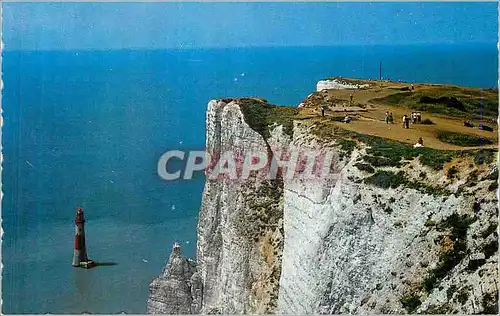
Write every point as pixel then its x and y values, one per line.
pixel 460 139
pixel 492 176
pixel 484 157
pixel 427 122
pixel 429 282
pixel 452 172
pixel 386 179
pixel 451 102
pixel 347 146
pixel 365 167
pixel 463 295
pixel 490 303
pixel 493 186
pixel 410 302
pixel 490 248
pixel 379 161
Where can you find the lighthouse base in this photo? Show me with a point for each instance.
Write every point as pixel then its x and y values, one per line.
pixel 85 264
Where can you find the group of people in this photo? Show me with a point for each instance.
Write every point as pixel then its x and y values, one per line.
pixel 415 118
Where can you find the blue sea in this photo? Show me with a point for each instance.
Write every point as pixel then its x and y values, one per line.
pixel 86 128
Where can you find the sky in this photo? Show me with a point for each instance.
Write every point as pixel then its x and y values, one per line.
pixel 106 26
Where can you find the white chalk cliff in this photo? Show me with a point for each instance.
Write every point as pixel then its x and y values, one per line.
pixel 338 245
pixel 338 84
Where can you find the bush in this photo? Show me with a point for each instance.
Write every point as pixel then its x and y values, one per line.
pixel 410 302
pixel 427 122
pixel 484 157
pixel 460 139
pixel 378 161
pixel 386 179
pixel 452 172
pixel 493 186
pixel 347 146
pixel 490 303
pixel 492 176
pixel 451 102
pixel 365 167
pixel 429 282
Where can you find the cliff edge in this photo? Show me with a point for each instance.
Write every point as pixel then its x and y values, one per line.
pixel 391 228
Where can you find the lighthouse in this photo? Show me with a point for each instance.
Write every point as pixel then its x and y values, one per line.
pixel 80 252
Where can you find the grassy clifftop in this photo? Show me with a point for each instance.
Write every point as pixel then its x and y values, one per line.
pixel 261 115
pixel 449 100
pixel 443 107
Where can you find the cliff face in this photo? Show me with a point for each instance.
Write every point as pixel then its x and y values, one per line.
pixel 240 225
pixel 350 247
pixel 405 237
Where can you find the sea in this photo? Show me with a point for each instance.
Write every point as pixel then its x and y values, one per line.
pixel 86 128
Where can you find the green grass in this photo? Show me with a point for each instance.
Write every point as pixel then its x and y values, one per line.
pixel 260 115
pixel 448 100
pixel 484 156
pixel 346 146
pixel 385 152
pixel 464 140
pixel 388 179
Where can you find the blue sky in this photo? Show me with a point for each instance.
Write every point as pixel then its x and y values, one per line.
pixel 65 26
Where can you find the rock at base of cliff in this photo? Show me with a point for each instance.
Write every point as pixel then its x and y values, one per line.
pixel 178 290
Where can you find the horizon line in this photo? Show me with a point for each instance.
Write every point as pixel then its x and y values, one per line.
pixel 5 49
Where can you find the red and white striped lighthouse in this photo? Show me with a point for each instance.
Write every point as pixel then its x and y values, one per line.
pixel 80 252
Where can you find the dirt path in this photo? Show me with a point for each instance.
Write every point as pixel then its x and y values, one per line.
pixel 370 120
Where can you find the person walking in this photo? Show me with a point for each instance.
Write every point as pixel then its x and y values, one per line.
pixel 391 118
pixel 386 117
pixel 407 122
pixel 323 108
pixel 404 121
